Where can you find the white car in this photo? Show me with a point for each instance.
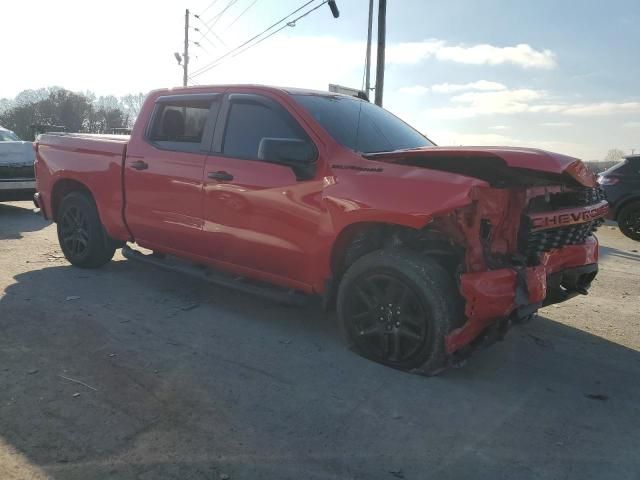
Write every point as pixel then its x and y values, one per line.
pixel 17 178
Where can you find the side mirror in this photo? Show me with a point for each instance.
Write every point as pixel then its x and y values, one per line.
pixel 288 151
pixel 299 155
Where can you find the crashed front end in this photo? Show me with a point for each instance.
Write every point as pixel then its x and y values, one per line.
pixel 526 234
pixel 525 249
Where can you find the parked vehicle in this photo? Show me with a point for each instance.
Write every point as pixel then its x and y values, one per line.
pixel 17 177
pixel 426 251
pixel 621 184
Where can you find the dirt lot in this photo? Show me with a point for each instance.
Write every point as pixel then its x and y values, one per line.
pixel 186 381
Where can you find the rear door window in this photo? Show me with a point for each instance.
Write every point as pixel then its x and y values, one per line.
pixel 180 125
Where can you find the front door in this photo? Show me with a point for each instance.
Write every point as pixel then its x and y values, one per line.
pixel 260 215
pixel 163 174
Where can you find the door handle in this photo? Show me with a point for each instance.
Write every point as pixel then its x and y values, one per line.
pixel 139 165
pixel 221 176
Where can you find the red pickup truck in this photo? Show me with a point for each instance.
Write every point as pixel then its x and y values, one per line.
pixel 425 251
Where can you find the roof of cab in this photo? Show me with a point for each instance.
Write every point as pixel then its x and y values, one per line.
pixel 287 90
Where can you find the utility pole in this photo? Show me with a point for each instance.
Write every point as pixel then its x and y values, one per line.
pixel 382 34
pixel 185 55
pixel 367 83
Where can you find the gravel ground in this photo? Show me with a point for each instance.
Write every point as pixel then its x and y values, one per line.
pixel 130 372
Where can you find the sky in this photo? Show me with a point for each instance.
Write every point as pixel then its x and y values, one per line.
pixel 560 75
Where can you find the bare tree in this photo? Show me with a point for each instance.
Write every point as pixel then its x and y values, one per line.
pixel 77 112
pixel 131 105
pixel 614 155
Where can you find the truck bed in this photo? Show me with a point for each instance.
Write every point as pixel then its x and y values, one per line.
pixel 95 161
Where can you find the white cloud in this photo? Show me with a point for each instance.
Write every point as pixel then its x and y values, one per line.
pixel 556 124
pixel 412 52
pixel 414 90
pixel 631 125
pixel 524 100
pixel 601 108
pixel 482 85
pixel 450 137
pixel 499 127
pixel 447 137
pixel 604 108
pixel 522 55
pixel 471 104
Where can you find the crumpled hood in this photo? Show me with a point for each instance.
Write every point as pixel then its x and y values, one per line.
pixel 16 153
pixel 494 164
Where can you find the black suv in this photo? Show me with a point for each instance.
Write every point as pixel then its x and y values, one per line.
pixel 621 184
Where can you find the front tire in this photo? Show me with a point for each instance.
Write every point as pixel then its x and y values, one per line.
pixel 629 220
pixel 81 235
pixel 396 307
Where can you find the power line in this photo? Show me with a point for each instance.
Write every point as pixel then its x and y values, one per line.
pixel 230 52
pixel 209 29
pixel 205 37
pixel 198 44
pixel 217 17
pixel 210 5
pixel 243 12
pixel 288 24
pixel 193 81
pixel 204 34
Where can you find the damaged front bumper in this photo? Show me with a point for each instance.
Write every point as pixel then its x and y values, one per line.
pixel 494 298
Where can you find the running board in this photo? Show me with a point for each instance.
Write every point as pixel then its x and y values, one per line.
pixel 270 292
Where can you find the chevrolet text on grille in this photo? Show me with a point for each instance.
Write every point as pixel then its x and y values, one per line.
pixel 569 216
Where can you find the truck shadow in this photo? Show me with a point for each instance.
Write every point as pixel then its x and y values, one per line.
pixel 623 254
pixel 180 379
pixel 18 218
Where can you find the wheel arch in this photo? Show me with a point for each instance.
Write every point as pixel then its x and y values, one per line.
pixel 61 189
pixel 626 201
pixel 358 239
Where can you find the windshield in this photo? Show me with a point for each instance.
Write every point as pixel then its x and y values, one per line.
pixel 8 136
pixel 360 125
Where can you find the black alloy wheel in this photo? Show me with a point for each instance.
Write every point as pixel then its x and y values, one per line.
pixel 74 234
pixel 386 318
pixel 82 237
pixel 396 307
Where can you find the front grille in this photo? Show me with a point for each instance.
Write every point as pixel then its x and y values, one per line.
pixel 576 198
pixel 546 240
pixel 534 243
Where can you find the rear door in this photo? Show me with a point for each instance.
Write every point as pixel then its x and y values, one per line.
pixel 259 215
pixel 163 174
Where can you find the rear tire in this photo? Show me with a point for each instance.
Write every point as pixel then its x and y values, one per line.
pixel 629 220
pixel 396 307
pixel 82 237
